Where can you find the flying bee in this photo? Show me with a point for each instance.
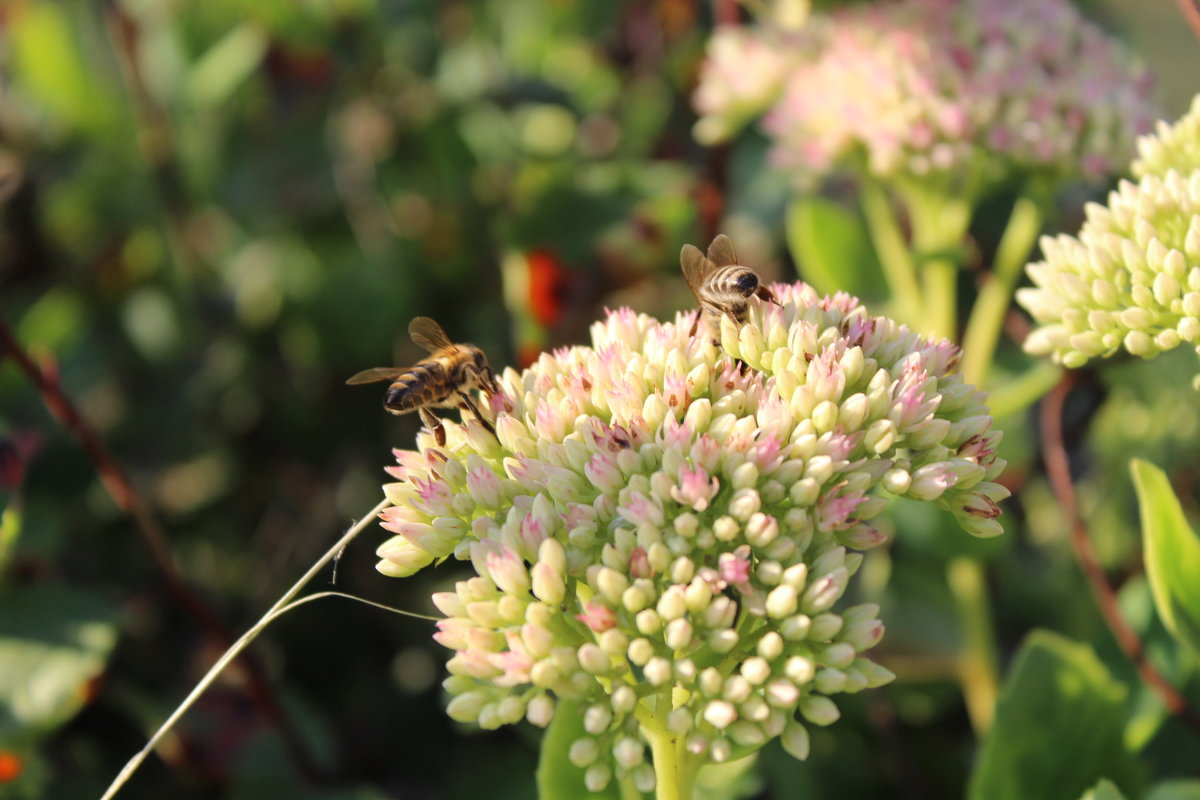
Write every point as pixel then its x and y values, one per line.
pixel 445 379
pixel 721 285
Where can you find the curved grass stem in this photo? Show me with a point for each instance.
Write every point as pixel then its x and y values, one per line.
pixel 280 607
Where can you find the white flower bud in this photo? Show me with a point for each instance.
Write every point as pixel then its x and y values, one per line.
pixel 720 714
pixel 596 778
pixel 819 710
pixel 640 651
pixel 628 752
pixel 795 741
pixel 624 699
pixel 583 752
pixel 678 634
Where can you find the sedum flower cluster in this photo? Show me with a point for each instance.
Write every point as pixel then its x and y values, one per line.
pixel 918 87
pixel 661 533
pixel 1131 279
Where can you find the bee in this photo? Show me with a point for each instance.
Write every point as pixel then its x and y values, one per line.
pixel 442 380
pixel 721 285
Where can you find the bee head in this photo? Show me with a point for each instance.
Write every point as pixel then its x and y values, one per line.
pixel 485 377
pixel 747 283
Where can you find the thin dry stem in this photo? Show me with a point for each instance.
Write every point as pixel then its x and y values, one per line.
pixel 1058 470
pixel 1191 13
pixel 121 489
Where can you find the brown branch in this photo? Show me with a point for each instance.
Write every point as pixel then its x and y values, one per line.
pixel 1191 13
pixel 121 489
pixel 1058 470
pixel 155 138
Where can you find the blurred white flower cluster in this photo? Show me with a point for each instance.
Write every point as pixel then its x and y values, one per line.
pixel 917 87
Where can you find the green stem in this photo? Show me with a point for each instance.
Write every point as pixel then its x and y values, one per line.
pixel 627 789
pixel 987 317
pixel 940 218
pixel 894 256
pixel 673 768
pixel 977 663
pixel 941 297
pixel 1019 393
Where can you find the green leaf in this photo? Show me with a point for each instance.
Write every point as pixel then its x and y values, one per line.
pixel 731 780
pixel 48 61
pixel 557 777
pixel 1059 726
pixel 1171 552
pixel 1174 790
pixel 226 65
pixel 831 248
pixel 1104 790
pixel 10 528
pixel 53 641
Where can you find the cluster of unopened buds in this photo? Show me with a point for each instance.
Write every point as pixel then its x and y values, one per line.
pixel 662 527
pixel 920 87
pixel 1131 279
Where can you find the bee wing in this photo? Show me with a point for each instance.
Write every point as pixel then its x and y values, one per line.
pixel 429 335
pixel 696 267
pixel 721 252
pixel 375 374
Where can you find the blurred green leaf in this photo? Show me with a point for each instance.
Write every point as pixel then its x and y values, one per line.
pixel 1174 790
pixel 1059 726
pixel 10 527
pixel 831 248
pixel 53 641
pixel 226 65
pixel 1104 790
pixel 48 61
pixel 1171 552
pixel 557 777
pixel 54 321
pixel 731 780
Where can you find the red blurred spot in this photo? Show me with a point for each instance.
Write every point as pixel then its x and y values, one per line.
pixel 12 469
pixel 527 354
pixel 11 766
pixel 547 287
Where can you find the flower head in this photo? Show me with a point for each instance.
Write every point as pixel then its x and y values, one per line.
pixel 1131 279
pixel 693 544
pixel 929 86
pixel 1171 147
pixel 741 77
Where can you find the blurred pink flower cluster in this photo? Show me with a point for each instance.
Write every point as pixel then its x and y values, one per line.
pixel 927 86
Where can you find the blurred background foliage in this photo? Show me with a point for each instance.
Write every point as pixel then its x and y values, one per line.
pixel 213 213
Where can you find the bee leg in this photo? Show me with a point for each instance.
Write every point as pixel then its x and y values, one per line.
pixel 434 425
pixel 696 322
pixel 469 405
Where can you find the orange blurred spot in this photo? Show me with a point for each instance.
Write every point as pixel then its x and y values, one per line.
pixel 547 287
pixel 11 766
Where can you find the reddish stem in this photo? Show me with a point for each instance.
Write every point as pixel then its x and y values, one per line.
pixel 1058 470
pixel 120 488
pixel 1191 13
